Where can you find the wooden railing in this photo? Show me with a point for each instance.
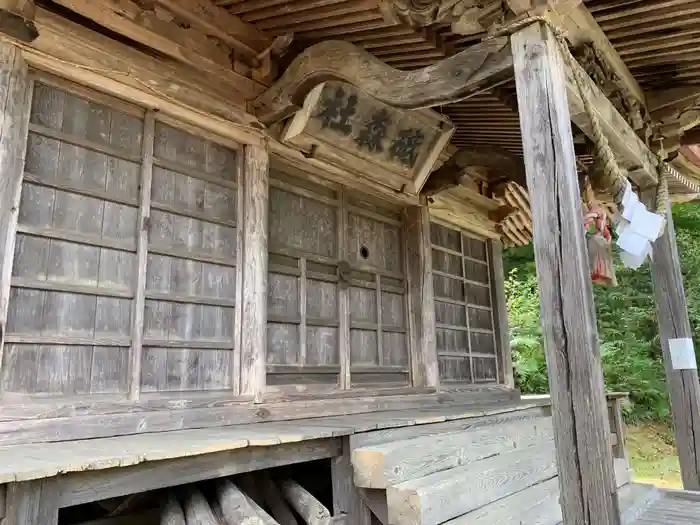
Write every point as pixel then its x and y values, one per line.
pixel 615 401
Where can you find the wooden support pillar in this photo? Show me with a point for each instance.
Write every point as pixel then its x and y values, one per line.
pixel 683 386
pixel 421 304
pixel 15 99
pixel 253 265
pixel 579 408
pixel 500 313
pixel 346 496
pixel 32 502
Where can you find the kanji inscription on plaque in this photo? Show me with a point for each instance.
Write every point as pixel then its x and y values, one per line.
pixel 352 126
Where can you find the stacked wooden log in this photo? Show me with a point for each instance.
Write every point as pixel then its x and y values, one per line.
pixel 251 499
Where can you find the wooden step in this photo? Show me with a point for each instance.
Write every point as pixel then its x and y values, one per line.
pixel 539 504
pixel 380 466
pixel 377 437
pixel 445 495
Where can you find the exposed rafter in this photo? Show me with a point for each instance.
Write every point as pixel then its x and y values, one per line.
pixel 159 29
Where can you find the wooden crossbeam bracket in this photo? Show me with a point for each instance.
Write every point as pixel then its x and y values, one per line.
pixel 454 78
pixel 496 160
pixel 17 19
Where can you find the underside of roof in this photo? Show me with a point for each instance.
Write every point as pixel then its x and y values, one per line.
pixel 656 41
pixel 641 54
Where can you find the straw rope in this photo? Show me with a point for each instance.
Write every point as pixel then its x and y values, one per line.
pixel 613 178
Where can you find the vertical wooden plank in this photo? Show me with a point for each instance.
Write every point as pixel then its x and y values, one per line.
pixel 499 311
pixel 579 408
pixel 15 99
pixel 421 297
pixel 32 502
pixel 466 305
pixel 302 311
pixel 238 310
pixel 378 297
pixel 139 302
pixel 254 261
pixel 683 386
pixel 346 496
pixel 343 296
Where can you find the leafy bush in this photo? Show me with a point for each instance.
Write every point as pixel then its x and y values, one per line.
pixel 629 339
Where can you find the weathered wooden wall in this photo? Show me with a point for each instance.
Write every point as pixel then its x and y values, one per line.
pixel 464 315
pixel 80 267
pixel 328 247
pixel 126 276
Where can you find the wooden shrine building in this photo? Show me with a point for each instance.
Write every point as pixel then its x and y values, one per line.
pixel 251 257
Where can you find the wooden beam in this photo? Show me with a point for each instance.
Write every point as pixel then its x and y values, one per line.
pixel 146 27
pixel 15 99
pixel 683 386
pixel 346 496
pixel 79 54
pixel 421 307
pixel 449 80
pixel 138 305
pixel 253 260
pixel 17 19
pixel 84 487
pixel 32 502
pixel 220 23
pixel 500 313
pixel 631 153
pixel 581 28
pixel 581 428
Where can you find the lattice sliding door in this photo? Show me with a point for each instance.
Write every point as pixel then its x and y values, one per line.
pixel 377 296
pixel 303 322
pixel 68 330
pixel 336 292
pixel 191 265
pixel 465 332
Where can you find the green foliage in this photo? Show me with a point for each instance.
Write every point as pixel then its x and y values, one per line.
pixel 629 340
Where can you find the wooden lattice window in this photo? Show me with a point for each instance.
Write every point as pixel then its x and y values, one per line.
pixel 465 334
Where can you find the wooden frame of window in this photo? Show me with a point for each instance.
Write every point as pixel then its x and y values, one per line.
pixel 465 310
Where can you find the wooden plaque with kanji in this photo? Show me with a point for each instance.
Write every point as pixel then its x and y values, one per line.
pixel 341 124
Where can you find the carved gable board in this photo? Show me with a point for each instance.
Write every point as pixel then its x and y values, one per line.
pixel 394 147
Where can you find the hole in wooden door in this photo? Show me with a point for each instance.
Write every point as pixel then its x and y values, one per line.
pixel 364 252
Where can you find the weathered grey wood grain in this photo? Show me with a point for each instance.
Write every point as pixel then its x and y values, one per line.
pixel 421 309
pixel 684 389
pixel 375 499
pixel 378 466
pixel 441 82
pixel 344 343
pixel 538 504
pixel 346 496
pixel 83 487
pixel 3 492
pixel 581 427
pixel 254 261
pixel 139 303
pixel 235 506
pixel 32 502
pixel 171 512
pixel 197 508
pixel 15 97
pixel 304 503
pixel 273 499
pixel 113 419
pixel 498 416
pixel 500 313
pixel 439 497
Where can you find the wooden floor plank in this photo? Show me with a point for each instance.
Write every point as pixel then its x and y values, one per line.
pixel 40 460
